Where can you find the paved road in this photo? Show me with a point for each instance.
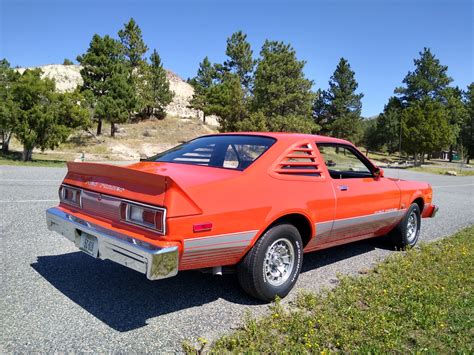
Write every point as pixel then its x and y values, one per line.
pixel 53 297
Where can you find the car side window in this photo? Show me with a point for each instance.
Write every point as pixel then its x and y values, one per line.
pixel 342 162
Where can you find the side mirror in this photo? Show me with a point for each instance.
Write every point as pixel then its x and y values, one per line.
pixel 331 163
pixel 378 173
pixel 143 157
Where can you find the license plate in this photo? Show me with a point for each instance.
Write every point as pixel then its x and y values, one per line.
pixel 89 244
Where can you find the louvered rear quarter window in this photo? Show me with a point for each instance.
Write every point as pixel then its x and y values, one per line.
pixel 299 160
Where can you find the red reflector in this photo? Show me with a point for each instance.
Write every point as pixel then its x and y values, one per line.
pixel 202 227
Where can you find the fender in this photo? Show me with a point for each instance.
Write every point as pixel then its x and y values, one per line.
pixel 278 216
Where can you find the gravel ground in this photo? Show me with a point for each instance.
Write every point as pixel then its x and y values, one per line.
pixel 54 298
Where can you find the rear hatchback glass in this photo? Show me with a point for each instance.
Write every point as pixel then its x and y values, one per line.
pixel 220 151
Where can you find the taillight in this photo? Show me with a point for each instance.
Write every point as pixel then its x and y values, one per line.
pixel 148 217
pixel 70 195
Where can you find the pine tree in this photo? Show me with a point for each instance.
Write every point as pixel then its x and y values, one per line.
pixel 240 60
pixel 133 46
pixel 388 125
pixel 157 93
pixel 45 118
pixel 429 79
pixel 281 91
pixel 427 88
pixel 467 129
pixel 106 83
pixel 226 100
pixel 8 106
pixel 425 128
pixel 202 84
pixel 341 106
pixel 133 49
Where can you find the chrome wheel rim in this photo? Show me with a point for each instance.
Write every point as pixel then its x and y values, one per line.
pixel 279 262
pixel 412 227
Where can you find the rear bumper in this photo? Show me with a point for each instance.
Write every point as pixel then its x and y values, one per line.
pixel 157 263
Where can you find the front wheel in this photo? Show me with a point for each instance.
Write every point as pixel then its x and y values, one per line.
pixel 407 233
pixel 273 265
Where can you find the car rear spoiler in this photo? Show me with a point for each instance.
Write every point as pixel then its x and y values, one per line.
pixel 132 184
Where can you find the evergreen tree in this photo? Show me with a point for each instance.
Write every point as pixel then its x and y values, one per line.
pixel 452 100
pixel 467 128
pixel 106 83
pixel 226 100
pixel 158 93
pixel 116 105
pixel 8 106
pixel 255 122
pixel 202 84
pixel 133 49
pixel 427 88
pixel 388 126
pixel 425 128
pixel 67 62
pixel 240 60
pixel 370 137
pixel 429 79
pixel 45 118
pixel 133 46
pixel 281 91
pixel 341 106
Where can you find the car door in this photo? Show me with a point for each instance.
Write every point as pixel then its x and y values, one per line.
pixel 366 204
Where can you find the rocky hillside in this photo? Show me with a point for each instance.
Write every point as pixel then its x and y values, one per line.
pixel 68 77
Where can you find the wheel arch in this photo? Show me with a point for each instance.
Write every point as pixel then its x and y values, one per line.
pixel 298 219
pixel 420 202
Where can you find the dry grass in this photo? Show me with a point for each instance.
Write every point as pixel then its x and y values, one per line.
pixel 131 141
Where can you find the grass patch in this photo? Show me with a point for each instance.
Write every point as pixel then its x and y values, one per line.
pixel 442 171
pixel 14 158
pixel 415 301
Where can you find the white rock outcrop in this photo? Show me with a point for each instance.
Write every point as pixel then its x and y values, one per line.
pixel 68 77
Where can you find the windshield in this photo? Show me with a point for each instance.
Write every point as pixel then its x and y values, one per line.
pixel 220 151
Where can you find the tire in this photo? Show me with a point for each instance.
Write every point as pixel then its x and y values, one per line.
pixel 272 266
pixel 407 232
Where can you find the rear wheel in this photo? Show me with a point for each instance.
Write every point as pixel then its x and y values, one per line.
pixel 407 233
pixel 272 266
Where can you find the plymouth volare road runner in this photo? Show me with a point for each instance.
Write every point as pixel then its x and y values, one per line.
pixel 257 201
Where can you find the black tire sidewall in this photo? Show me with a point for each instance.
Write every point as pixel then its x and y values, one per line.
pixel 286 231
pixel 413 208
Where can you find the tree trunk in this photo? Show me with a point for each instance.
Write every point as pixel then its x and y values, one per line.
pixel 422 158
pixel 99 127
pixel 450 156
pixel 112 129
pixel 27 153
pixel 5 141
pixel 203 118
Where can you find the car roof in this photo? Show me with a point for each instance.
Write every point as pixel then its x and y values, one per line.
pixel 291 137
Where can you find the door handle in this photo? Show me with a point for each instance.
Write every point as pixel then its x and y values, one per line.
pixel 343 187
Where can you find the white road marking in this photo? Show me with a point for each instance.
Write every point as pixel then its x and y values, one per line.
pixel 26 201
pixel 453 185
pixel 29 180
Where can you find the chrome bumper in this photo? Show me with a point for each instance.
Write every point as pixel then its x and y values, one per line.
pixel 432 211
pixel 157 263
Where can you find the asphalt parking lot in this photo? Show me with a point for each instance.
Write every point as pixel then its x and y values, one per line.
pixel 55 298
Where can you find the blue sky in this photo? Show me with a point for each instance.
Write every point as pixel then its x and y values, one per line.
pixel 379 38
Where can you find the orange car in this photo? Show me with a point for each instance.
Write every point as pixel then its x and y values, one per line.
pixel 254 200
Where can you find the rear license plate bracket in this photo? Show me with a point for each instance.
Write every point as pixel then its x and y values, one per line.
pixel 89 244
